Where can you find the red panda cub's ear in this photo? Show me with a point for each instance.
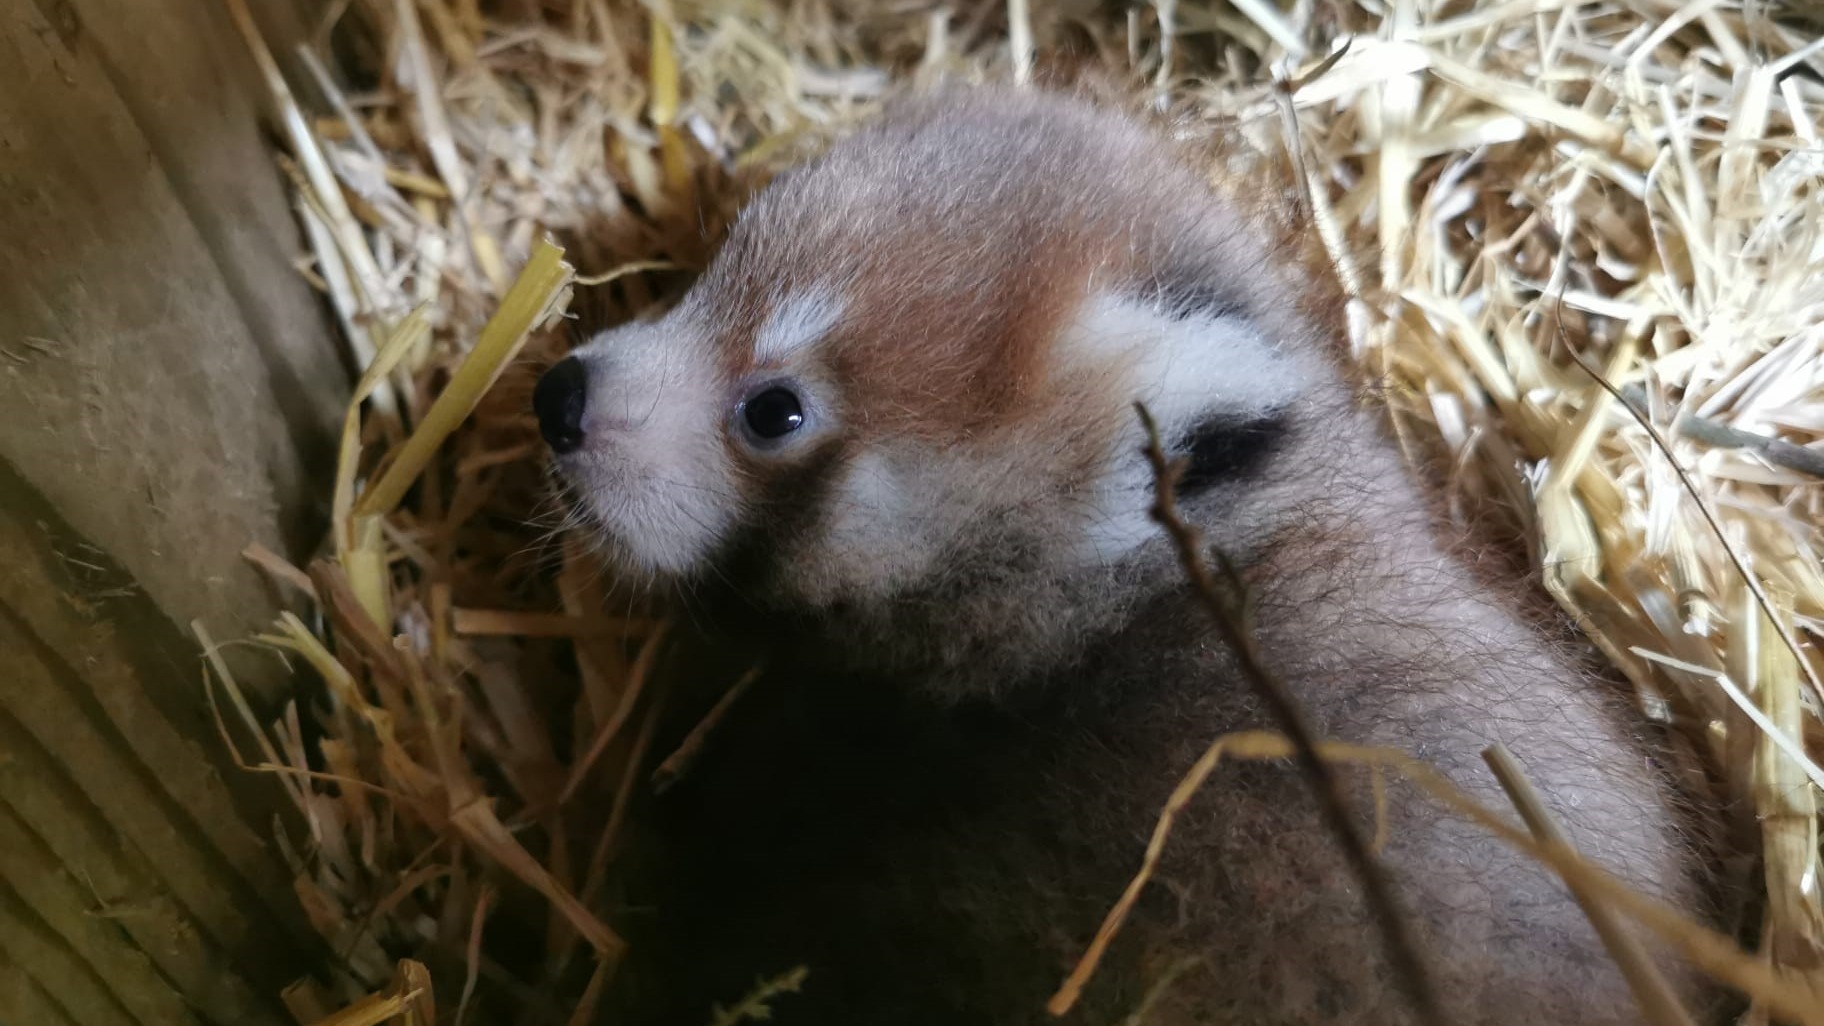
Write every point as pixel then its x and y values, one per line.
pixel 1221 391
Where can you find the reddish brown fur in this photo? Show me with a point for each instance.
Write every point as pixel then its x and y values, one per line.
pixel 984 316
pixel 955 769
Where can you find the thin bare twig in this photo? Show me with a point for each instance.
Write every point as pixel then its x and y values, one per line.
pixel 1651 991
pixel 679 762
pixel 630 697
pixel 1233 617
pixel 757 1004
pixel 1752 582
pixel 1787 994
pixel 1156 992
pixel 1776 451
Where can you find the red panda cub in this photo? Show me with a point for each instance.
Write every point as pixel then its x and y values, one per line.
pixel 892 429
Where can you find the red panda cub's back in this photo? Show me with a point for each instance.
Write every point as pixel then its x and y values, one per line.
pixel 891 429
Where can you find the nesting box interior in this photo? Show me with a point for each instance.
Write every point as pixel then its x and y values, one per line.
pixel 1580 243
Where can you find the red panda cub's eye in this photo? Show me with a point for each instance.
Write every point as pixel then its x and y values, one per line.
pixel 772 413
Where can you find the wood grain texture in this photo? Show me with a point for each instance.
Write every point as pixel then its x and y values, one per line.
pixel 168 386
pixel 173 421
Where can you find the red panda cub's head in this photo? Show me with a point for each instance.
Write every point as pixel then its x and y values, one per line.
pixel 899 403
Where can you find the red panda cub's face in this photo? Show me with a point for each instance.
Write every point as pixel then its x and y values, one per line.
pixel 911 370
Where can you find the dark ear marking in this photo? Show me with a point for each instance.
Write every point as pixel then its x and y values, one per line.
pixel 1183 296
pixel 1229 447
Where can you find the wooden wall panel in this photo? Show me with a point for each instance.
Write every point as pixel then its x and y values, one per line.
pixel 168 387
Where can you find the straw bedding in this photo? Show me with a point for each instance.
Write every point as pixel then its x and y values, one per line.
pixel 1583 242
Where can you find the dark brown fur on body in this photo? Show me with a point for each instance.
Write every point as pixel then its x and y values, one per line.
pixel 949 863
pixel 993 680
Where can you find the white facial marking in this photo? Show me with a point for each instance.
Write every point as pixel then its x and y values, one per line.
pixel 879 529
pixel 1191 367
pixel 796 321
pixel 1186 369
pixel 652 469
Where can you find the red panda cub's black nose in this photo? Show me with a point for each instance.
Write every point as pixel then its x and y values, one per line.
pixel 558 400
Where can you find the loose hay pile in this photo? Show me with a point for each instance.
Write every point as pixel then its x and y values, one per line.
pixel 1554 192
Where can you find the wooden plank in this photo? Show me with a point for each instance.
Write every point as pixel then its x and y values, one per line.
pixel 168 388
pixel 84 741
pixel 44 885
pixel 22 1000
pixel 134 393
pixel 182 74
pixel 53 968
pixel 60 832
